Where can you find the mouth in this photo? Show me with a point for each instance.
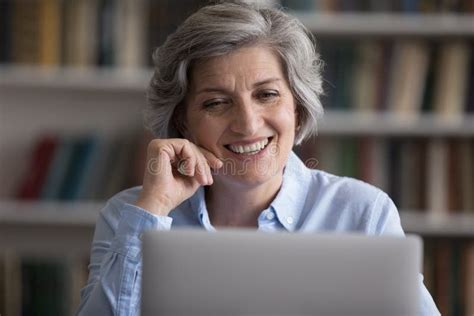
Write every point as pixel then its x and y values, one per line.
pixel 249 149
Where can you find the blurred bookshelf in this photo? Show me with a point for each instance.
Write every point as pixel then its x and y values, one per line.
pixel 71 78
pixel 398 77
pixel 388 24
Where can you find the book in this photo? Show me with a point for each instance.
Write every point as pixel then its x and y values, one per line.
pixel 25 22
pixel 365 79
pixel 94 174
pixel 408 77
pixel 457 282
pixel 40 164
pixel 52 186
pixel 348 157
pixel 436 176
pixel 466 166
pixel 326 5
pixel 427 99
pixel 106 34
pixel 443 287
pixel 383 74
pixel 50 32
pixel 5 31
pixel 412 174
pixel 428 264
pixel 451 80
pixel 469 101
pixel 344 73
pixel 469 283
pixel 12 279
pixel 365 159
pixel 44 286
pixel 394 173
pixel 131 33
pixel 454 173
pixel 410 6
pixel 79 273
pixel 300 5
pixel 82 158
pixel 80 35
pixel 380 163
pixel 326 149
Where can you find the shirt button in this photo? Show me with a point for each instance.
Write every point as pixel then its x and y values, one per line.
pixel 270 216
pixel 289 220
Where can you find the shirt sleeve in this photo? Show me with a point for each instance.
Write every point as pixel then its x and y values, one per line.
pixel 113 287
pixel 385 220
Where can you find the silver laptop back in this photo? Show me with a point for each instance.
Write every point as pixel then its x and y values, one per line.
pixel 240 272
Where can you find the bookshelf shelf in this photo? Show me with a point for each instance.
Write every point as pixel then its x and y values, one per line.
pixel 454 225
pixel 388 24
pixel 84 214
pixel 64 78
pixel 50 213
pixel 386 124
pixel 57 227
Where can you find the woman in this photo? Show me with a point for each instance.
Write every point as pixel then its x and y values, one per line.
pixel 234 89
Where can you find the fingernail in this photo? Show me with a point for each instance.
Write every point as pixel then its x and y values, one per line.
pixel 182 167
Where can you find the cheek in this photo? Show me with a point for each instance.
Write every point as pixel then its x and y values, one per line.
pixel 287 118
pixel 205 131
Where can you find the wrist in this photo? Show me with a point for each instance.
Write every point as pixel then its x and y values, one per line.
pixel 155 205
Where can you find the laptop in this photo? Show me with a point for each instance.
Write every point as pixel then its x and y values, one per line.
pixel 246 272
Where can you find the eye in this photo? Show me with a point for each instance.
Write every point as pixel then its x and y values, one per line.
pixel 267 95
pixel 214 104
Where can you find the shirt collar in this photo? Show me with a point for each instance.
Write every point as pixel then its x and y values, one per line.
pixel 290 200
pixel 288 204
pixel 198 205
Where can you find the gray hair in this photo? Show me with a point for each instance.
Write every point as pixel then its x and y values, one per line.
pixel 219 29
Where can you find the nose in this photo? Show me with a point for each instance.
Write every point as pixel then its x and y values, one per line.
pixel 246 119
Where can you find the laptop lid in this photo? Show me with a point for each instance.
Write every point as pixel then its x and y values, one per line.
pixel 243 272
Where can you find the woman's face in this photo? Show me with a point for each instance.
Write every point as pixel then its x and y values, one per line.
pixel 240 107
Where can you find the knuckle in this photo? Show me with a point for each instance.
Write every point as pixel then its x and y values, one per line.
pixel 154 145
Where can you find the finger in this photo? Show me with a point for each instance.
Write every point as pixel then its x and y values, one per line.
pixel 160 165
pixel 187 159
pixel 209 174
pixel 212 160
pixel 201 172
pixel 205 169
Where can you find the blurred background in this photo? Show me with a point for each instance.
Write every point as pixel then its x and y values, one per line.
pixel 399 100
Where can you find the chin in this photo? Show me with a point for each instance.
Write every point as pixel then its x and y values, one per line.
pixel 249 178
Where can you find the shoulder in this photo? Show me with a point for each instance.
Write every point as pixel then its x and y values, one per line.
pixel 344 188
pixel 358 205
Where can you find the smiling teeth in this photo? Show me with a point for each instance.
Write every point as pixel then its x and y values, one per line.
pixel 253 148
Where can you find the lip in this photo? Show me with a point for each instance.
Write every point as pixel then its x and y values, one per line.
pixel 248 141
pixel 254 157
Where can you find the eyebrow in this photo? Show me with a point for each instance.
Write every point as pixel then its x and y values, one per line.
pixel 220 89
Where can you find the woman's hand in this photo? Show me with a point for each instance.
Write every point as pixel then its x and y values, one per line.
pixel 174 170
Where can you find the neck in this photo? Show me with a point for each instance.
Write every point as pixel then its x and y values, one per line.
pixel 237 205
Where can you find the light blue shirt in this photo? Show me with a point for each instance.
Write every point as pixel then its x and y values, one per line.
pixel 308 201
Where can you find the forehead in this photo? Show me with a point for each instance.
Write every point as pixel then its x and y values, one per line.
pixel 253 63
